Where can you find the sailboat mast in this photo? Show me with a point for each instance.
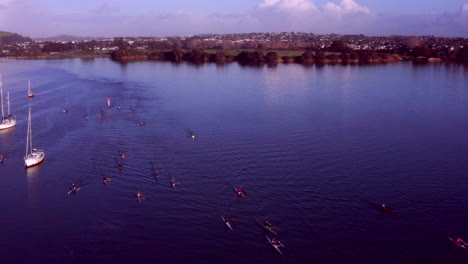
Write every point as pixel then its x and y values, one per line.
pixel 1 95
pixel 27 134
pixel 30 132
pixel 29 87
pixel 8 101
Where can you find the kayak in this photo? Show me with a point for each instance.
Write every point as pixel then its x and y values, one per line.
pixel 73 190
pixel 384 209
pixel 464 246
pixel 266 227
pixel 242 193
pixel 275 246
pixel 140 198
pixel 228 223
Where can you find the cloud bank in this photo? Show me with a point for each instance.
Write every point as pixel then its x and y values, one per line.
pixel 342 17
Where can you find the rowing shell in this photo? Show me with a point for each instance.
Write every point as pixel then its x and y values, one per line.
pixel 385 209
pixel 462 246
pixel 275 246
pixel 228 224
pixel 242 194
pixel 74 189
pixel 266 227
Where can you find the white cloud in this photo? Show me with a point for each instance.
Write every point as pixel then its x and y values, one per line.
pixel 288 5
pixel 346 7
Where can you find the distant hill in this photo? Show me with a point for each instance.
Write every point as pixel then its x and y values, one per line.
pixel 5 33
pixel 8 38
pixel 68 38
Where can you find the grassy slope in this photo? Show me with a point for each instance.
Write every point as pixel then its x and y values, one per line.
pixel 4 33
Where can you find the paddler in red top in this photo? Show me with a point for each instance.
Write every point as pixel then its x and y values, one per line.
pixel 460 242
pixel 240 191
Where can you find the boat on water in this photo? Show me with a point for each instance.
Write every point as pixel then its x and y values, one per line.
pixel 383 208
pixel 227 223
pixel 276 245
pixel 33 156
pixel 459 242
pixel 240 192
pixel 9 120
pixel 272 230
pixel 30 93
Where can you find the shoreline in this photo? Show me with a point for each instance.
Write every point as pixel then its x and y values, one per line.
pixel 229 59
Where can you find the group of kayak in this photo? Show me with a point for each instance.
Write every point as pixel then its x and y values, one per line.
pixel 274 242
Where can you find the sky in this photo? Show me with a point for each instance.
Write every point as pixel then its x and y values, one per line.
pixel 160 18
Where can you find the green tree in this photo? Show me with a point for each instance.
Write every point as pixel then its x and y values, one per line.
pixel 320 56
pixel 121 43
pixel 307 57
pixel 338 46
pixel 271 57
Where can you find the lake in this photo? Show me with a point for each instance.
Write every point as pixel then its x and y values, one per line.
pixel 311 146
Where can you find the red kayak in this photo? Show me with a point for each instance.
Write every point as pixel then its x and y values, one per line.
pixel 383 208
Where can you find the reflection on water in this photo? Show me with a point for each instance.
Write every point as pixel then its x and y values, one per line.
pixel 277 87
pixel 32 180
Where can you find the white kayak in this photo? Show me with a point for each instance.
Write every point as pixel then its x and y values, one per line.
pixel 72 190
pixel 464 246
pixel 241 193
pixel 275 246
pixel 228 223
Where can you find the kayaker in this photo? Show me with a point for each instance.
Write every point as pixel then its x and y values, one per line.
pixel 73 186
pixel 227 220
pixel 140 196
pixel 276 242
pixel 2 158
pixel 460 242
pixel 383 205
pixel 106 179
pixel 240 191
pixel 270 225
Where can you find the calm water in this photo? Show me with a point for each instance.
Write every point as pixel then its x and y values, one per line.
pixel 311 146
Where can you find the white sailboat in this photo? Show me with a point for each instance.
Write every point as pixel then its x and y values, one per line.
pixel 9 120
pixel 30 94
pixel 33 156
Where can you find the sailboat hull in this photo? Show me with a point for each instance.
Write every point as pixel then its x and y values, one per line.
pixel 7 123
pixel 30 95
pixel 36 157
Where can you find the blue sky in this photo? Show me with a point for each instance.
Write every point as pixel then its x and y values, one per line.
pixel 109 18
